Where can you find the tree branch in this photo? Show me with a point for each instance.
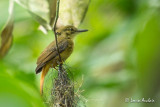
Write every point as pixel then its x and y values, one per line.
pixel 54 30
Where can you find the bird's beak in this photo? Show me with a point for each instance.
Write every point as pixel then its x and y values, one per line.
pixel 84 30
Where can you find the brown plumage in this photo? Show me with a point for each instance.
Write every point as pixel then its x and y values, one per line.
pixel 49 57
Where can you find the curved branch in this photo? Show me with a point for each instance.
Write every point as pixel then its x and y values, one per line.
pixel 54 30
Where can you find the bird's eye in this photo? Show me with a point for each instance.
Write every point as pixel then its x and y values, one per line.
pixel 58 33
pixel 70 29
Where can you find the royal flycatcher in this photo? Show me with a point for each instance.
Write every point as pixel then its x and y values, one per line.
pixel 49 58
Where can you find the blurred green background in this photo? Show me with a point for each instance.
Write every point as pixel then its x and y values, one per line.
pixel 117 59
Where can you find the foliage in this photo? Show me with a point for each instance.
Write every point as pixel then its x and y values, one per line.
pixel 118 58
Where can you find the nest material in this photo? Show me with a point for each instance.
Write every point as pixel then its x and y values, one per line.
pixel 63 90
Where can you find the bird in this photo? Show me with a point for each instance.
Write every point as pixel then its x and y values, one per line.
pixel 49 58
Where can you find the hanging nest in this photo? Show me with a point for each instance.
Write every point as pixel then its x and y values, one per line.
pixel 63 90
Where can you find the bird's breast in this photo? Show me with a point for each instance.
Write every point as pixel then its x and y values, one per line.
pixel 69 49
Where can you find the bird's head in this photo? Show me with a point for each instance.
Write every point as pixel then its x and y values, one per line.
pixel 69 31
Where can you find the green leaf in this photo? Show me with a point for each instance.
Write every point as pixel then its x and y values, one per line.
pixel 72 12
pixel 6 35
pixel 52 9
pixel 39 10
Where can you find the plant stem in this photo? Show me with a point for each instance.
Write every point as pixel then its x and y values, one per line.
pixel 54 30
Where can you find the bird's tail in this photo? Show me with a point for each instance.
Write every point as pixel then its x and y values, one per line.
pixel 44 72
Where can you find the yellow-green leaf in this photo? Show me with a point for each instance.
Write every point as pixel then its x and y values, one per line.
pixel 6 38
pixel 72 12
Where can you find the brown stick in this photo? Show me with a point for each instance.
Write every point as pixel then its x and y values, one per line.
pixel 54 30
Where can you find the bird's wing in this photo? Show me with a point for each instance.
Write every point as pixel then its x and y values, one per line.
pixel 49 53
pixel 51 47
